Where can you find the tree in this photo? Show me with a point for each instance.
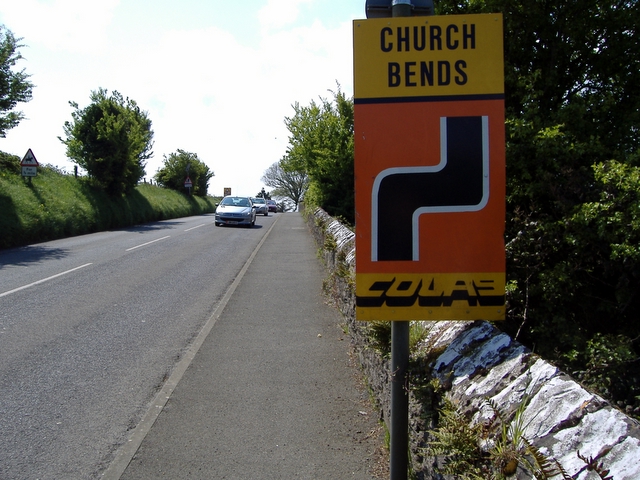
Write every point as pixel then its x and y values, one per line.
pixel 179 165
pixel 286 182
pixel 111 139
pixel 263 194
pixel 572 121
pixel 321 145
pixel 14 86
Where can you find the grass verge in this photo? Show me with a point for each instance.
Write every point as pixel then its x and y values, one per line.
pixel 55 205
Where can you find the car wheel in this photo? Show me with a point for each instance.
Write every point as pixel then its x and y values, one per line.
pixel 217 224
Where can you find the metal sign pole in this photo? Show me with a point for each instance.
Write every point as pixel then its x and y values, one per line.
pixel 399 448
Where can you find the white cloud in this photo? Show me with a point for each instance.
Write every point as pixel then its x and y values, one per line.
pixel 279 13
pixel 72 25
pixel 206 90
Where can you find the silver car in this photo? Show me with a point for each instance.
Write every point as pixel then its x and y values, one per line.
pixel 261 206
pixel 235 211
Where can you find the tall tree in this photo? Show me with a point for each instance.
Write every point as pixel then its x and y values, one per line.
pixel 111 139
pixel 572 68
pixel 286 182
pixel 321 144
pixel 14 85
pixel 180 164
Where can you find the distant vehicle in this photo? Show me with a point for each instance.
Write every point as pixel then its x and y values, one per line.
pixel 235 211
pixel 273 206
pixel 261 206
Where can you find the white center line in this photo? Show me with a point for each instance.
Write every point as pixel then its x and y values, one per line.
pixel 44 280
pixel 143 244
pixel 197 226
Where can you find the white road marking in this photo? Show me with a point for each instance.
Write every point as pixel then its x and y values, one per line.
pixel 43 280
pixel 143 244
pixel 193 228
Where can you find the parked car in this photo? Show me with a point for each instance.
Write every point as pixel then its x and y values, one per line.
pixel 235 211
pixel 273 206
pixel 261 206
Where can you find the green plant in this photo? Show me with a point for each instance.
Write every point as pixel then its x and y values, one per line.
pixel 379 333
pixel 111 139
pixel 9 163
pixel 321 146
pixel 321 223
pixel 418 331
pixel 181 164
pixel 14 86
pixel 608 364
pixel 513 451
pixel 594 466
pixel 457 440
pixel 505 453
pixel 330 244
pixel 56 205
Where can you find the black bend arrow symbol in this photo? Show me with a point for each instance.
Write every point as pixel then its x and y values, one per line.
pixel 460 183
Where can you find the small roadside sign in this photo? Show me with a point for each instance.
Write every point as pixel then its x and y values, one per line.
pixel 29 165
pixel 29 160
pixel 188 183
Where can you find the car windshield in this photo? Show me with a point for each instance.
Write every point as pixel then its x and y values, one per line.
pixel 236 201
pixel 258 200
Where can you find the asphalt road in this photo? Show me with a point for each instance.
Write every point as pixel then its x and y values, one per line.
pixel 90 329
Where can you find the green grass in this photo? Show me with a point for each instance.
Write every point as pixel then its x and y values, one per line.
pixel 55 205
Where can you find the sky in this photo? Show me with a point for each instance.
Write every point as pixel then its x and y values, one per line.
pixel 216 78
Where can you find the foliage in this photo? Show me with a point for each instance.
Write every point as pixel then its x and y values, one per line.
pixel 15 86
pixel 263 194
pixel 496 450
pixel 9 163
pixel 180 164
pixel 572 119
pixel 55 205
pixel 418 331
pixel 458 441
pixel 593 465
pixel 321 145
pixel 111 139
pixel 286 181
pixel 379 334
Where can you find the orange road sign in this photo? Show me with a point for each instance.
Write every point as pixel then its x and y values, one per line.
pixel 430 168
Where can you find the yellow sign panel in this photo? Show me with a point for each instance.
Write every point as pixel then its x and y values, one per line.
pixel 445 296
pixel 449 55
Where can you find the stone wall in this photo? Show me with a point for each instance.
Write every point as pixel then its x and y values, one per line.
pixel 473 362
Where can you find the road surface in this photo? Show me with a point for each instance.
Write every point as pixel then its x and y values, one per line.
pixel 90 329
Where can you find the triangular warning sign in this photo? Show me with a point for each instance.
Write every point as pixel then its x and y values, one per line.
pixel 29 160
